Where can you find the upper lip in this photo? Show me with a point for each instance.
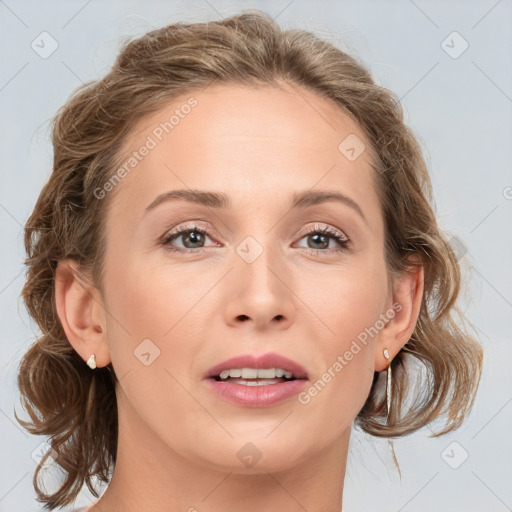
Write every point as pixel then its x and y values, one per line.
pixel 269 360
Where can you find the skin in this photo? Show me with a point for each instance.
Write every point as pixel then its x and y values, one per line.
pixel 178 442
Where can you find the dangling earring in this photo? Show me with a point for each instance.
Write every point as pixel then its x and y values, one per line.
pixel 91 362
pixel 388 382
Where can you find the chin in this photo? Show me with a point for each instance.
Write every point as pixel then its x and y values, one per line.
pixel 251 455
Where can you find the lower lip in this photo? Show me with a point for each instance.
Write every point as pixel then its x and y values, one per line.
pixel 256 396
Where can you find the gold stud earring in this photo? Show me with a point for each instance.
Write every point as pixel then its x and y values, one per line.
pixel 91 362
pixel 388 382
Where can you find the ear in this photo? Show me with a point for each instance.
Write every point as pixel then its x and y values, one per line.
pixel 405 303
pixel 81 312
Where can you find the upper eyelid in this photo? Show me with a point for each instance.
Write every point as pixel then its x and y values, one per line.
pixel 199 224
pixel 319 227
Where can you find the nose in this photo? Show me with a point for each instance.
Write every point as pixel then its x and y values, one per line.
pixel 260 290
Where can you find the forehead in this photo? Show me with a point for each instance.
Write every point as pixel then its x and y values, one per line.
pixel 247 141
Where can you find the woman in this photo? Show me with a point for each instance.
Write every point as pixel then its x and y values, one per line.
pixel 234 261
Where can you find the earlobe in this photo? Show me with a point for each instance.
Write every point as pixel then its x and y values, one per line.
pixel 80 312
pixel 407 297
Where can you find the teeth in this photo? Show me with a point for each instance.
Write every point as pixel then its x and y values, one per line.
pixel 260 382
pixel 269 373
pixel 255 373
pixel 249 373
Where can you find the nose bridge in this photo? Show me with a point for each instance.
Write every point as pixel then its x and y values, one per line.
pixel 261 262
pixel 260 288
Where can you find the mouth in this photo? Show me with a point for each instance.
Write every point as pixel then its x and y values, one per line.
pixel 255 376
pixel 257 381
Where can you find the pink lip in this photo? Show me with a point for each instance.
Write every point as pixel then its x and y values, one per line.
pixel 269 360
pixel 257 396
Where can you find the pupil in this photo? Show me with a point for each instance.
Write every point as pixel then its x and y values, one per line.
pixel 195 236
pixel 325 242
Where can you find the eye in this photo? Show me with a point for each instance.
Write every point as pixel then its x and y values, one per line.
pixel 320 236
pixel 192 237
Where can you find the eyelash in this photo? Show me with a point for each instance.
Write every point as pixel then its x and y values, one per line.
pixel 344 243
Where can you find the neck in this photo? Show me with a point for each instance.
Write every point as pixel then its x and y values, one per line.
pixel 150 476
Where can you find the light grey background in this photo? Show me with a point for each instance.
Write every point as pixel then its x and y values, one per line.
pixel 461 110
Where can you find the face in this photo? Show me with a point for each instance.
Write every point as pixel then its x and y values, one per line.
pixel 189 285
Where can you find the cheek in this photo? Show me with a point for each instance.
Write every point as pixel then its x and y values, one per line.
pixel 340 389
pixel 150 300
pixel 349 302
pixel 157 323
pixel 147 326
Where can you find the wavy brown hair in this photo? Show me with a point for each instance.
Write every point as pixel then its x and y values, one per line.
pixel 77 408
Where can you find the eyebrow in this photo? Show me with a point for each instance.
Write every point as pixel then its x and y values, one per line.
pixel 220 200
